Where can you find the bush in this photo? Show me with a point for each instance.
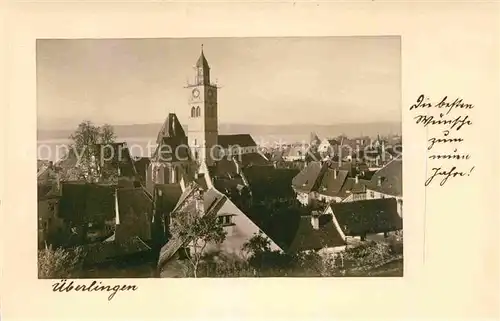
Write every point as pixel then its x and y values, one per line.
pixel 364 255
pixel 59 263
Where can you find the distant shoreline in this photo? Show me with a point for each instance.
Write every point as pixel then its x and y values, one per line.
pixel 300 131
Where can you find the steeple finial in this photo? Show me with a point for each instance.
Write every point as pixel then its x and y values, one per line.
pixel 201 48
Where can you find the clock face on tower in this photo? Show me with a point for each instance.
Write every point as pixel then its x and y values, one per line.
pixel 196 93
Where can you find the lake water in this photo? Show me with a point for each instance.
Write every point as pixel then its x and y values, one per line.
pixel 54 149
pixel 57 148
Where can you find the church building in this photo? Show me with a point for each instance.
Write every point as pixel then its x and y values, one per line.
pixel 182 157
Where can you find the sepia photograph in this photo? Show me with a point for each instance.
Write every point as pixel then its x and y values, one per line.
pixel 219 157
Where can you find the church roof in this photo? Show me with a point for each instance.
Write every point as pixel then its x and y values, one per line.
pixel 202 61
pixel 170 128
pixel 241 140
pixel 172 149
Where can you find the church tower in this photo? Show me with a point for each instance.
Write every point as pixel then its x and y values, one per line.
pixel 203 124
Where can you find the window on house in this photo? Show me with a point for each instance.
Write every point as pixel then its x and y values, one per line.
pixel 372 194
pixel 225 220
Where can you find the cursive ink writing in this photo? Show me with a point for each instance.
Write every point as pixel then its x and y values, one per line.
pixel 63 286
pixel 438 171
pixel 435 140
pixel 441 118
pixel 430 120
pixel 457 103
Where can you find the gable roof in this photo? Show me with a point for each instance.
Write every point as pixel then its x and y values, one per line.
pixel 172 149
pixel 171 128
pixel 352 187
pixel 134 201
pixel 241 140
pixel 331 183
pixel 80 201
pixel 390 177
pixel 223 168
pixel 97 253
pixel 212 200
pixel 308 238
pixel 166 196
pixel 250 159
pixel 367 216
pixel 305 181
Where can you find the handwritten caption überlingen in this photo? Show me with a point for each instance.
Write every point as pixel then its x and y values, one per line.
pixel 447 119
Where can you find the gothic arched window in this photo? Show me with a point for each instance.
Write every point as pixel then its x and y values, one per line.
pixel 193 111
pixel 198 112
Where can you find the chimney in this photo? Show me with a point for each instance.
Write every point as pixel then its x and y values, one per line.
pixel 379 181
pixel 335 173
pixel 315 220
pixel 356 179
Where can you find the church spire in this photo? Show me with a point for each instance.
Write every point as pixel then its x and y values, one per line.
pixel 202 70
pixel 202 61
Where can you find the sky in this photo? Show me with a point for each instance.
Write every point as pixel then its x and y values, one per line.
pixel 309 80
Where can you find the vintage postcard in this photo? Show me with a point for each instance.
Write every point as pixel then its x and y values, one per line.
pixel 261 161
pixel 242 170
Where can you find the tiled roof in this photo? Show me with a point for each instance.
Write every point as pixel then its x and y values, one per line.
pixel 367 216
pixel 223 168
pixel 81 200
pixel 172 149
pixel 134 202
pixel 320 177
pixel 228 185
pixel 106 251
pixel 166 196
pixel 251 159
pixel 141 165
pixel 213 201
pixel 306 180
pixel 308 238
pixel 170 128
pixel 269 182
pixel 390 177
pixel 330 184
pixel 241 140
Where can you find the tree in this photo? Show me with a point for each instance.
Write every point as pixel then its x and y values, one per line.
pixel 85 145
pixel 257 244
pixel 199 230
pixel 107 134
pixel 58 263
